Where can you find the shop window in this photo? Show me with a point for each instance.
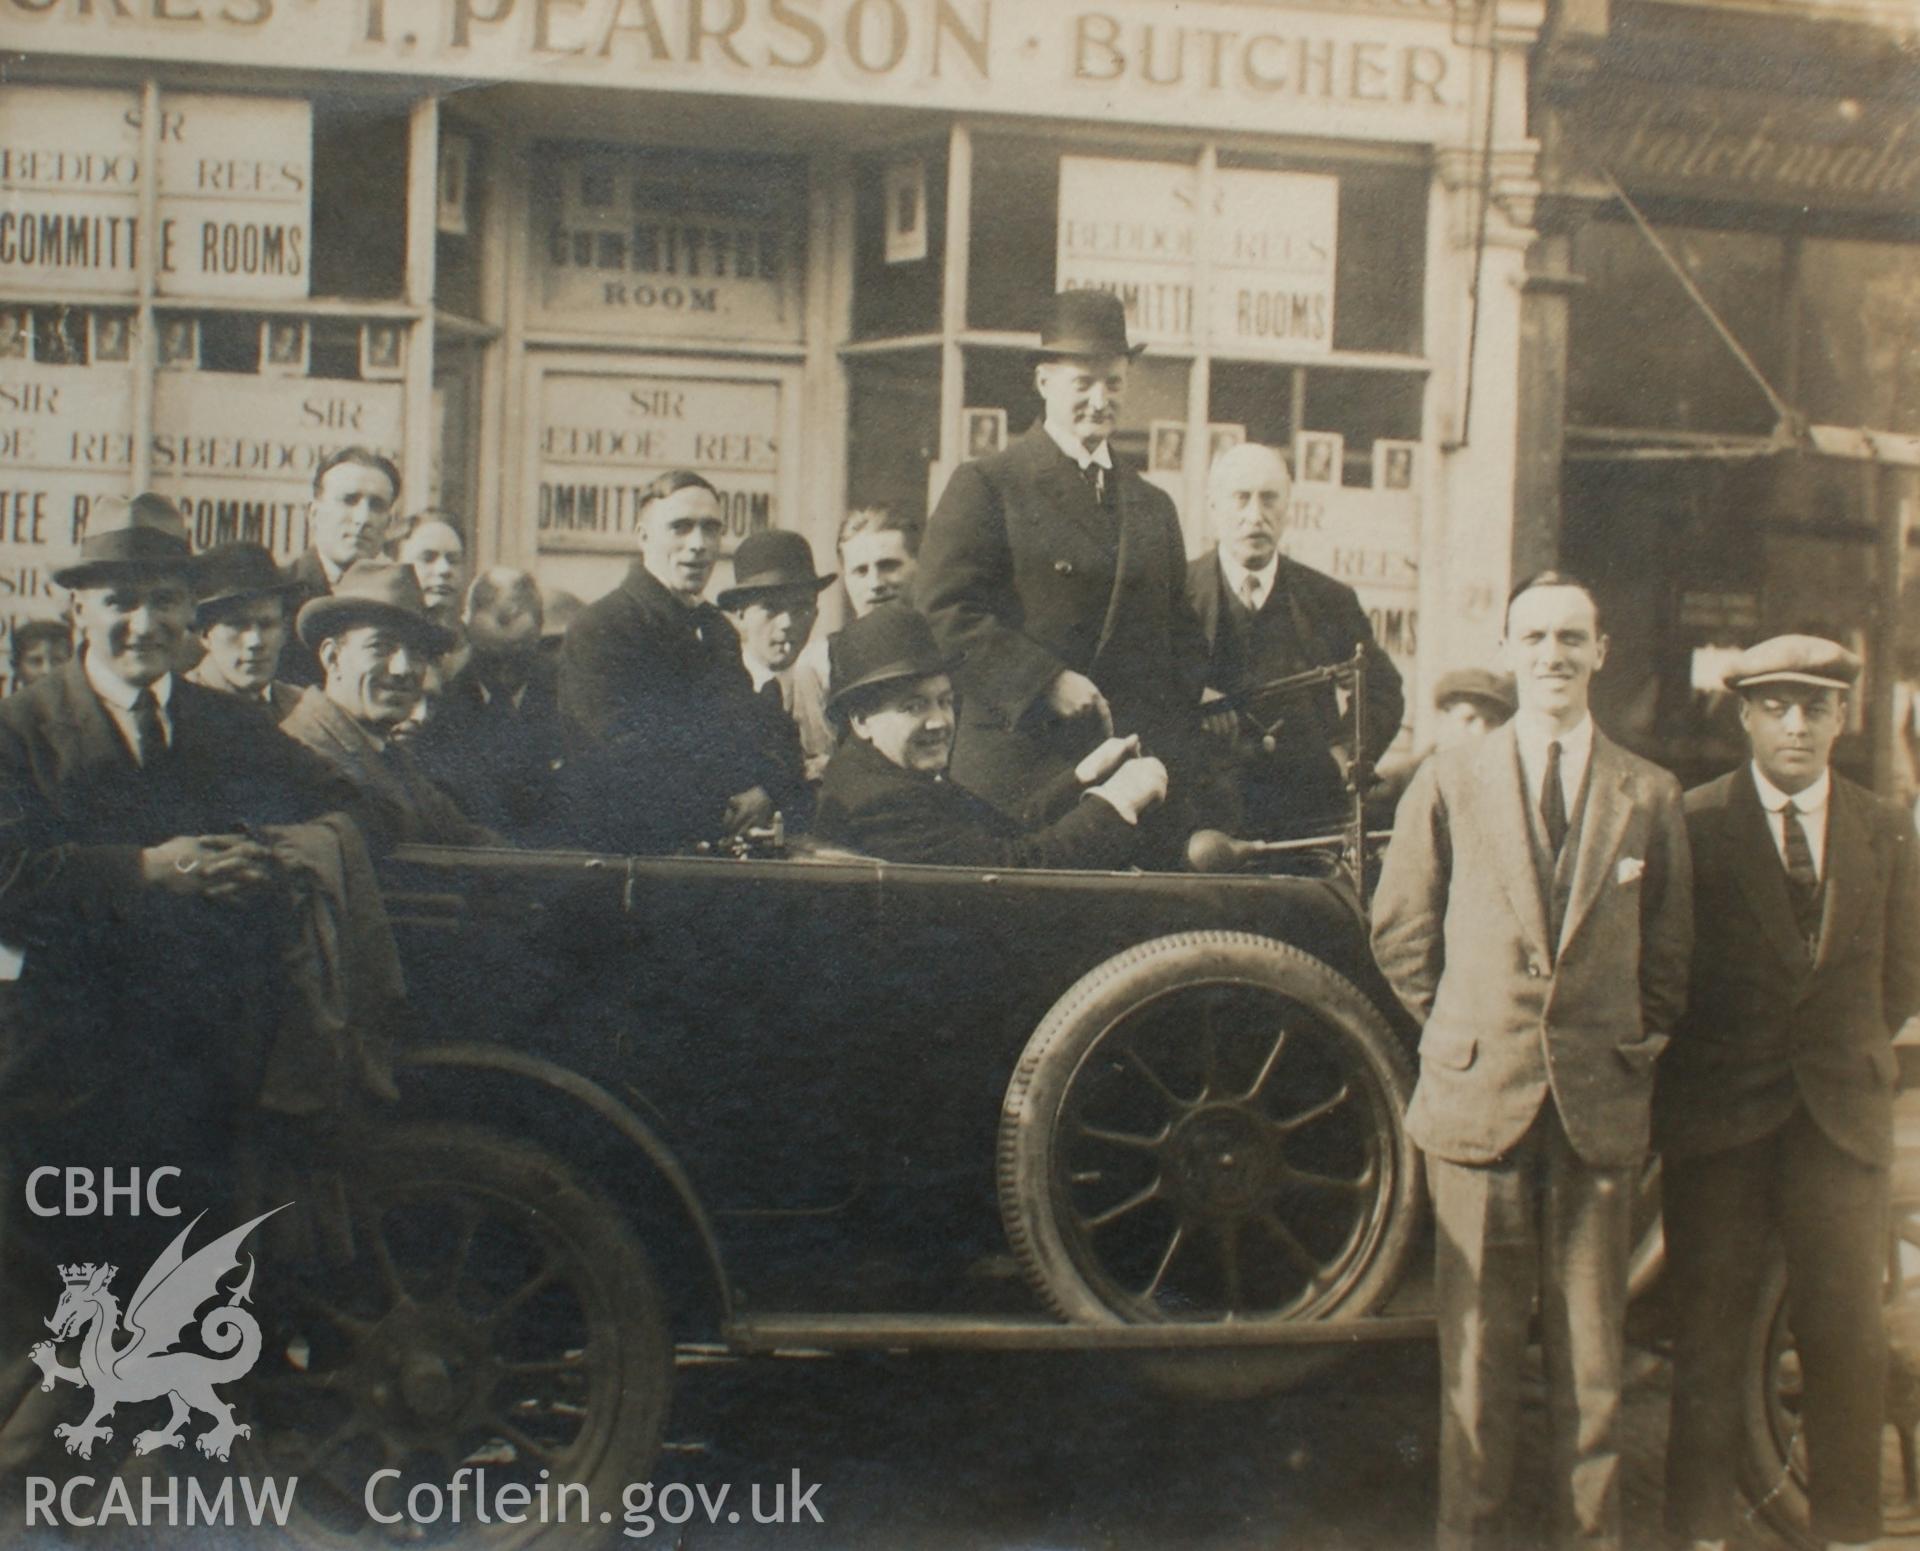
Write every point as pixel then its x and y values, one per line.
pixel 894 429
pixel 659 243
pixel 1859 335
pixel 1011 251
pixel 900 242
pixel 1641 353
pixel 1362 407
pixel 464 184
pixel 1256 398
pixel 360 197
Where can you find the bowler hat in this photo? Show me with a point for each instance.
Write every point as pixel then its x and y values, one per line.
pixel 230 573
pixel 1794 659
pixel 374 592
pixel 137 537
pixel 1085 323
pixel 1482 684
pixel 893 642
pixel 768 561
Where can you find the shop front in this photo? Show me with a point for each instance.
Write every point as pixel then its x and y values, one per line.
pixel 1741 461
pixel 541 250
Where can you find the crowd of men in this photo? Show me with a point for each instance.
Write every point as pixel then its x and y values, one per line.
pixel 1045 681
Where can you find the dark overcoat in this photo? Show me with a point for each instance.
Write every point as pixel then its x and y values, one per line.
pixel 1025 574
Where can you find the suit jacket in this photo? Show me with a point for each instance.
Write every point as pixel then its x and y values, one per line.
pixel 1508 1015
pixel 1766 1027
pixel 870 804
pixel 1025 574
pixel 397 802
pixel 657 713
pixel 1329 623
pixel 299 663
pixel 499 762
pixel 281 697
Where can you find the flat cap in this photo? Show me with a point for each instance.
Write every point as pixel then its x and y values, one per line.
pixel 1794 659
pixel 1495 689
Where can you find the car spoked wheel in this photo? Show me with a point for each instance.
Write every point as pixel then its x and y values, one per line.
pixel 496 1329
pixel 1209 1128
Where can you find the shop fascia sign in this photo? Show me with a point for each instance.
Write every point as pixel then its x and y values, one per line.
pixel 235 212
pixel 1213 63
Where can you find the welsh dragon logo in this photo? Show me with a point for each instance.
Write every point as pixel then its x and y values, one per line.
pixel 145 1366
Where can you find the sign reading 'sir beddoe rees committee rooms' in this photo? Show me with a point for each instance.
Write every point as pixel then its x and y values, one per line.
pixel 1204 63
pixel 198 1354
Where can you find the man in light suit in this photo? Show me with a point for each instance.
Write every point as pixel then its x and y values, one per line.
pixel 1774 1108
pixel 1535 915
pixel 1056 579
pixel 1267 617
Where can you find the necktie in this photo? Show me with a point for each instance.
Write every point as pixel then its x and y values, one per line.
pixel 147 729
pixel 1250 592
pixel 770 692
pixel 1553 801
pixel 1803 881
pixel 1097 478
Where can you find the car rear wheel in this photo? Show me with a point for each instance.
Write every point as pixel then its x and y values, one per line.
pixel 495 1317
pixel 1210 1128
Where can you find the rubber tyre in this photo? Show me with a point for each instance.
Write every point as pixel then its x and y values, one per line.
pixel 1153 996
pixel 593 1362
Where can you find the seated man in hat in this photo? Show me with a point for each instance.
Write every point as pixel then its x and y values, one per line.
pixel 373 639
pixel 242 624
pixel 657 707
pixel 39 646
pixel 1057 579
pixel 773 602
pixel 886 791
pixel 142 907
pixel 493 741
pixel 1265 617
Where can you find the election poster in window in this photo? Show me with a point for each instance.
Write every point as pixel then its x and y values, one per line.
pixel 605 435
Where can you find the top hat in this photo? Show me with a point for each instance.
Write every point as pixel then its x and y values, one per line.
pixel 129 538
pixel 893 642
pixel 1482 684
pixel 1085 323
pixel 375 592
pixel 230 573
pixel 1794 659
pixel 770 560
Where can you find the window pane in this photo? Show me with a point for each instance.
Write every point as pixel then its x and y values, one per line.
pixel 1643 355
pixel 893 430
pixel 1362 407
pixel 465 185
pixel 1257 398
pixel 900 297
pixel 360 196
pixel 1859 335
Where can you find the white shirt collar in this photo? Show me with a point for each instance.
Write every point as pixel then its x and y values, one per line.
pixel 1070 445
pixel 122 694
pixel 1235 575
pixel 1809 800
pixel 761 674
pixel 1534 735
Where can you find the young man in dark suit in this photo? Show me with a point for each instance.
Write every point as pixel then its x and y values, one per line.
pixel 1056 578
pixel 355 490
pixel 1266 617
pixel 243 623
pixel 1534 913
pixel 1774 1106
pixel 886 790
pixel 656 704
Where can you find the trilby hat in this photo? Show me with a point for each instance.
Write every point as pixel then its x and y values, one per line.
pixel 769 561
pixel 375 592
pixel 143 536
pixel 230 573
pixel 893 642
pixel 1794 659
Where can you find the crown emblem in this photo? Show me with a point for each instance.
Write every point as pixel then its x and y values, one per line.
pixel 80 1276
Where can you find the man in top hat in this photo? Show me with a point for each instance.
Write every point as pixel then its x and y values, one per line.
pixel 1534 913
pixel 1057 580
pixel 241 620
pixel 886 790
pixel 374 640
pixel 656 705
pixel 355 490
pixel 1266 617
pixel 773 602
pixel 141 910
pixel 1774 1105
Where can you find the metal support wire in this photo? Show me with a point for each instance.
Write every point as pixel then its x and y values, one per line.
pixel 1783 412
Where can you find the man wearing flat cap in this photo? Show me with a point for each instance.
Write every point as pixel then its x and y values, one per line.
pixel 1057 580
pixel 374 640
pixel 242 619
pixel 773 602
pixel 887 793
pixel 143 911
pixel 1774 1104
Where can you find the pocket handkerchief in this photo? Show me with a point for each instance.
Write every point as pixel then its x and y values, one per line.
pixel 1630 869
